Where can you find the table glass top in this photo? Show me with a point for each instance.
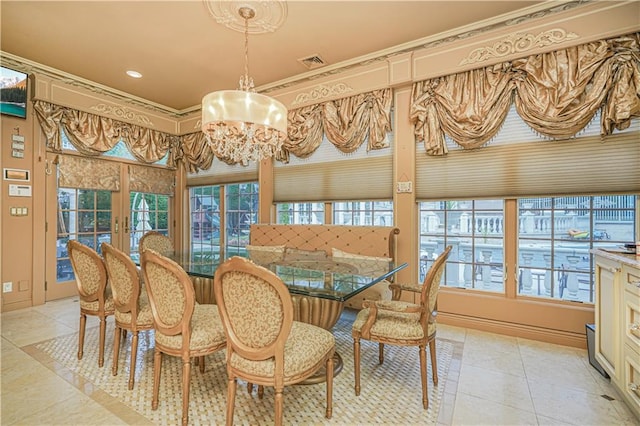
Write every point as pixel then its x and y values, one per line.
pixel 325 278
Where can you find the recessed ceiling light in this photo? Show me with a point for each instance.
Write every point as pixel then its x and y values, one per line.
pixel 134 74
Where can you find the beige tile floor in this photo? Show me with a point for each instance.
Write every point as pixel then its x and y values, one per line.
pixel 492 380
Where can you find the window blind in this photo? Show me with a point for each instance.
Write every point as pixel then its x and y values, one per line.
pixel 330 175
pixel 520 163
pixel 221 173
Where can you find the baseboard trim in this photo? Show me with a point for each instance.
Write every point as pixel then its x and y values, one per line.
pixel 558 337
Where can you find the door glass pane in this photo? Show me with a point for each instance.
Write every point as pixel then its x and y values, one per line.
pixel 79 219
pixel 149 212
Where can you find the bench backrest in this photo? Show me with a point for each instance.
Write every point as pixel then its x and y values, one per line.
pixel 377 241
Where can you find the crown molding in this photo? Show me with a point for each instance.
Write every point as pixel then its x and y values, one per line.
pixel 505 20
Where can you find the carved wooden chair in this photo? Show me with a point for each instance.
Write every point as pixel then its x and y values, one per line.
pixel 95 295
pixel 396 322
pixel 265 346
pixel 156 241
pixel 132 308
pixel 183 327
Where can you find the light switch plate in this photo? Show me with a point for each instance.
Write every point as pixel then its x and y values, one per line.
pixel 7 287
pixel 404 187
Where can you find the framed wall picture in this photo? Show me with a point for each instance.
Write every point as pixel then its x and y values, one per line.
pixel 13 92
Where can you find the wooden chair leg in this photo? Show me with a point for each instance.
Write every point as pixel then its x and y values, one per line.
pixel 231 399
pixel 423 376
pixel 329 378
pixel 83 323
pixel 116 350
pixel 356 364
pixel 103 331
pixel 201 363
pixel 157 366
pixel 381 353
pixel 434 361
pixel 260 391
pixel 278 401
pixel 186 380
pixel 134 355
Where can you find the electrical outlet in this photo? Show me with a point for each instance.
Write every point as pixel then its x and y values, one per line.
pixel 7 287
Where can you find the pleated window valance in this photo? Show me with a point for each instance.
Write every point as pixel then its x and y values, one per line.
pixel 88 173
pixel 93 135
pixel 152 180
pixel 556 94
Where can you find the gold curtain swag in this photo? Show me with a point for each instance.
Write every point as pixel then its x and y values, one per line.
pixel 557 94
pixel 93 135
pixel 346 122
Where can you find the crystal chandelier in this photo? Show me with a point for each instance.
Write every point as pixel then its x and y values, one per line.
pixel 242 125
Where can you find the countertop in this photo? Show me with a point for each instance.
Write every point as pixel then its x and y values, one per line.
pixel 630 259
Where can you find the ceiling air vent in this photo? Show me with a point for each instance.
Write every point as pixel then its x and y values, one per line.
pixel 312 62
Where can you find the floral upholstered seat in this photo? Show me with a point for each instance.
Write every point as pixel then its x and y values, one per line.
pixel 95 295
pixel 397 322
pixel 265 346
pixel 132 308
pixel 183 328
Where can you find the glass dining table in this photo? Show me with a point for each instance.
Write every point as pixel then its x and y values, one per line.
pixel 318 287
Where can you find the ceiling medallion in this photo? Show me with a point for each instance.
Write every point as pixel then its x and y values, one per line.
pixel 269 14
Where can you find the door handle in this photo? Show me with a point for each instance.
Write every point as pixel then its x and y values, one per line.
pixel 126 224
pixel 116 226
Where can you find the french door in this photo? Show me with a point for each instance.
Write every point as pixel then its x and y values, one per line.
pixel 83 211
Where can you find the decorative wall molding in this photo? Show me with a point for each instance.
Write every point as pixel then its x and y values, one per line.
pixel 322 91
pixel 427 43
pixel 518 43
pixel 122 113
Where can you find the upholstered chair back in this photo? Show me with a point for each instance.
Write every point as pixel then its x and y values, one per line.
pixel 156 241
pixel 125 283
pixel 255 330
pixel 431 283
pixel 91 275
pixel 170 293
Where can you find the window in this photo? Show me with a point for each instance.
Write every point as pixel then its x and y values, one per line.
pixel 475 229
pixel 237 204
pixel 300 213
pixel 555 235
pixel 363 213
pixel 241 211
pixel 83 215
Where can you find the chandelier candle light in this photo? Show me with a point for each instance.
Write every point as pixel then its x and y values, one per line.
pixel 242 125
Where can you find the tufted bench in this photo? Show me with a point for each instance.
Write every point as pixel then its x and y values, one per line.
pixel 377 241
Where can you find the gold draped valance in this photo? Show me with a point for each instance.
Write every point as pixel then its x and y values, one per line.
pixel 93 135
pixel 556 94
pixel 346 123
